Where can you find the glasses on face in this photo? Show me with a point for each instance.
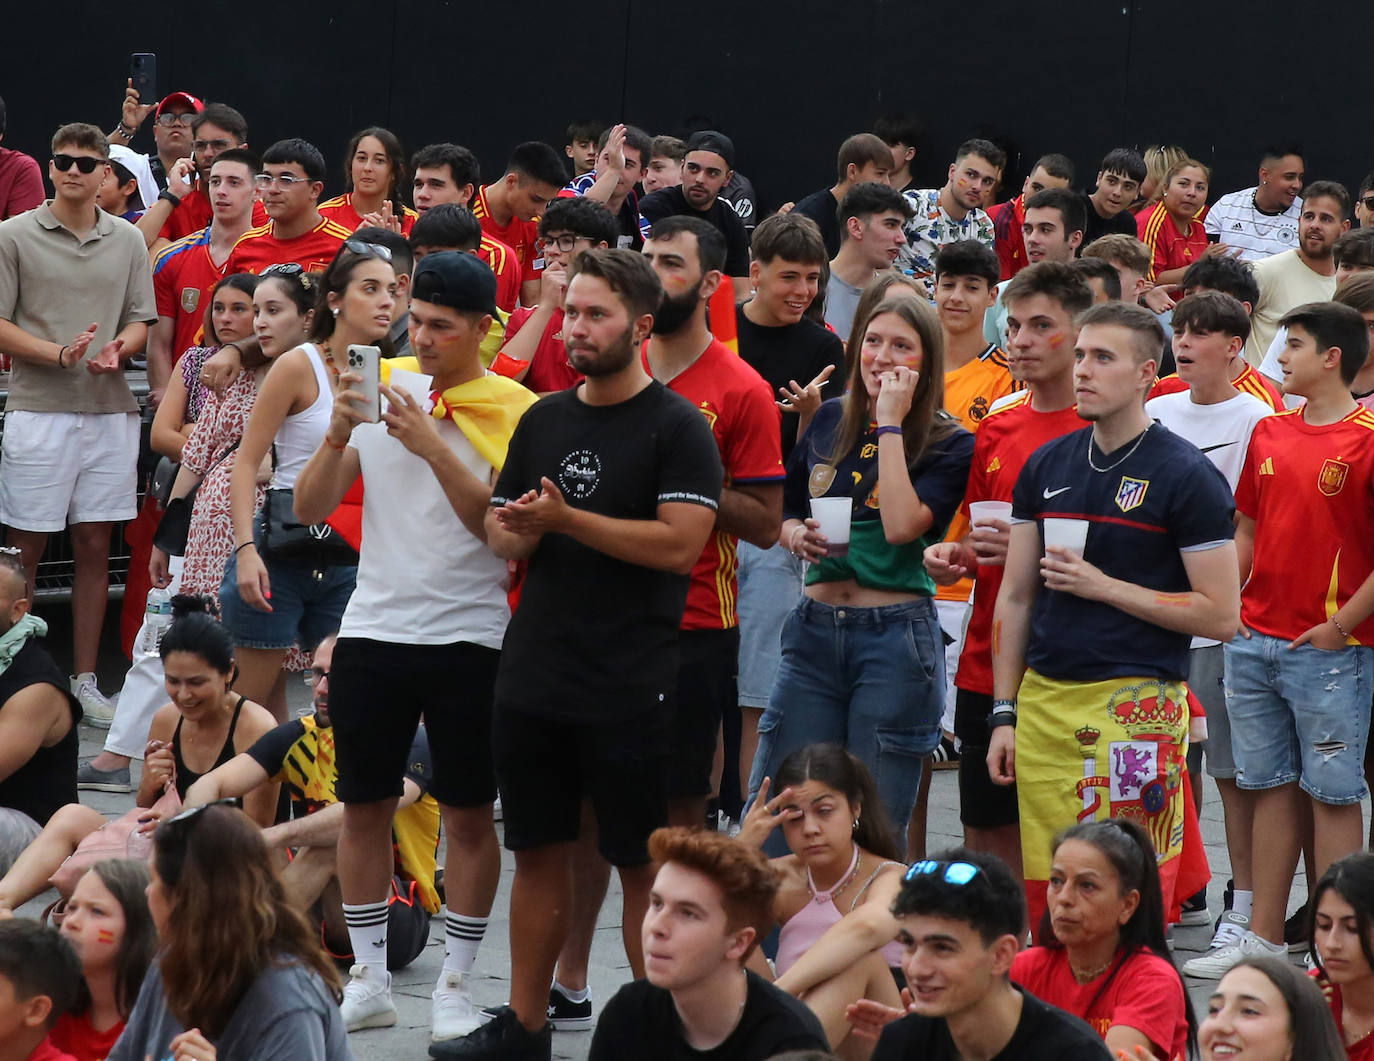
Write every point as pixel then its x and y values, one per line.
pixel 318 674
pixel 84 163
pixel 958 873
pixel 217 145
pixel 285 180
pixel 1368 203
pixel 167 119
pixel 374 250
pixel 564 242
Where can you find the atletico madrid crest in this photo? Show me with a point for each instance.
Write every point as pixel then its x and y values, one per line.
pixel 1332 477
pixel 1131 493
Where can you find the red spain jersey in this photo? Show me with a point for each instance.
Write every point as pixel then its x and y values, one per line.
pixel 549 369
pixel 194 212
pixel 738 404
pixel 1005 440
pixel 520 236
pixel 1248 382
pixel 1310 491
pixel 183 279
pixel 1169 248
pixel 506 266
pixel 258 248
pixel 340 209
pixel 1009 240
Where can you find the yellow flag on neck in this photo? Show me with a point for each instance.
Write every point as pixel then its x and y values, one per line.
pixel 485 409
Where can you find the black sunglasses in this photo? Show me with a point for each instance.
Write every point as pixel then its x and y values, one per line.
pixel 282 269
pixel 84 163
pixel 187 818
pixel 375 250
pixel 1368 202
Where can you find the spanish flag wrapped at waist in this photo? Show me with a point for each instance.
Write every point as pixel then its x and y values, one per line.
pixel 486 410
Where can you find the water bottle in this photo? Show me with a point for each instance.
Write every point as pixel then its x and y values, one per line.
pixel 157 616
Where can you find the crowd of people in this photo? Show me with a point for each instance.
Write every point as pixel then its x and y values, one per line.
pixel 686 538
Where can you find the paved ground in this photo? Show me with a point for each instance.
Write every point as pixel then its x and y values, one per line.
pixel 608 970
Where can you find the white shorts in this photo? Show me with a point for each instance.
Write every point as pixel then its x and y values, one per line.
pixel 61 468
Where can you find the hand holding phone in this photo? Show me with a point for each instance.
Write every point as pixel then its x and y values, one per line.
pixel 365 362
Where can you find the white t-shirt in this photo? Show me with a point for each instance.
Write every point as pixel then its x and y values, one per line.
pixel 1221 430
pixel 1285 282
pixel 1270 367
pixel 1243 226
pixel 423 579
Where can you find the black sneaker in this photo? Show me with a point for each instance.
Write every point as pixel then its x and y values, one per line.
pixel 1194 911
pixel 503 1038
pixel 566 1015
pixel 945 755
pixel 1295 931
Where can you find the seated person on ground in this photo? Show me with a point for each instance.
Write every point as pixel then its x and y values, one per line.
pixel 39 981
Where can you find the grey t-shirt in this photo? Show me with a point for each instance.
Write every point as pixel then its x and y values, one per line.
pixel 287 1015
pixel 841 300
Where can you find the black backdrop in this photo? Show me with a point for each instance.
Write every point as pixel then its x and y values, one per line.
pixel 787 81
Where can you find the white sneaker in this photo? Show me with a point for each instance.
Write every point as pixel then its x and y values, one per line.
pixel 1215 964
pixel 451 1012
pixel 1231 926
pixel 98 708
pixel 496 814
pixel 367 999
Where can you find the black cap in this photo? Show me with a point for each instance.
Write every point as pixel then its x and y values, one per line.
pixel 455 279
pixel 710 140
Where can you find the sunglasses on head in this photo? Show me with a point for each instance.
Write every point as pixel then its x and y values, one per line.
pixel 84 163
pixel 958 873
pixel 282 269
pixel 375 250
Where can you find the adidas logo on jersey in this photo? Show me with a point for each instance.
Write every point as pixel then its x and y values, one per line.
pixel 1237 227
pixel 1267 467
pixel 993 465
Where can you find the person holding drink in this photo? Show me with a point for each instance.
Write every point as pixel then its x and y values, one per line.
pixel 862 656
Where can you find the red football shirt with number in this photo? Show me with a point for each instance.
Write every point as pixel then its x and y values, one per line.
pixel 259 247
pixel 520 236
pixel 1005 440
pixel 1310 490
pixel 340 209
pixel 747 424
pixel 194 212
pixel 183 279
pixel 1248 382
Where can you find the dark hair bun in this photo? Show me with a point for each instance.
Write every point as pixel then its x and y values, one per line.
pixel 184 604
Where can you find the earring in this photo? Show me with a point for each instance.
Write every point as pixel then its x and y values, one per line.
pixel 856 825
pixel 336 311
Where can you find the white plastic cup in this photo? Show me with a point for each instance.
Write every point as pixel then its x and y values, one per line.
pixel 833 514
pixel 983 512
pixel 1070 534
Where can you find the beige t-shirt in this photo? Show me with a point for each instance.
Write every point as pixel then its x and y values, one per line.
pixel 54 285
pixel 1285 282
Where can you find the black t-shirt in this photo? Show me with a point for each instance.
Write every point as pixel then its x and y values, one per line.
pixel 821 208
pixel 640 1021
pixel 670 202
pixel 1042 1033
pixel 48 780
pixel 595 638
pixel 740 196
pixel 792 352
pixel 1097 225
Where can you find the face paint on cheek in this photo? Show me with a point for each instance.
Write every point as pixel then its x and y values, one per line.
pixel 1057 340
pixel 104 935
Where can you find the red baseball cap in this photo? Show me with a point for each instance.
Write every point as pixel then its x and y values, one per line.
pixel 183 98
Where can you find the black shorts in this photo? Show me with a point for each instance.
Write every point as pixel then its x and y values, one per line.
pixel 982 803
pixel 709 664
pixel 546 767
pixel 407 927
pixel 379 691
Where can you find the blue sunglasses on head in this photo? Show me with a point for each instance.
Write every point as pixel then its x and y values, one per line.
pixel 955 872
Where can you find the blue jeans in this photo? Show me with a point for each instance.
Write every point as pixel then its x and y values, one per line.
pixel 871 679
pixel 770 584
pixel 1299 715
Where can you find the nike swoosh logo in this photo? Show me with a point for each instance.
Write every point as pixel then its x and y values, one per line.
pixel 1219 445
pixel 1048 493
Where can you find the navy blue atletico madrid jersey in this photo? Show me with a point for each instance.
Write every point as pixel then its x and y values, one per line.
pixel 1164 499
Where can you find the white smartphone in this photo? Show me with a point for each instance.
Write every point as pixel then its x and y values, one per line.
pixel 366 362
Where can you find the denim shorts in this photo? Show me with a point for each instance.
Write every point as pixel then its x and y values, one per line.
pixel 306 605
pixel 871 679
pixel 1299 715
pixel 770 584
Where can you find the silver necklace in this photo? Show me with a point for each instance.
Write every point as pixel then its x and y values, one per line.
pixel 1136 445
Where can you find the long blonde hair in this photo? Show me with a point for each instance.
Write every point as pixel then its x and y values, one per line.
pixel 926 421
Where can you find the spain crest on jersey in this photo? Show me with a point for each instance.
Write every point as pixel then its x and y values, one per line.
pixel 1131 493
pixel 1331 479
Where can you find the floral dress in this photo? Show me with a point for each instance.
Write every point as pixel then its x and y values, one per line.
pixel 210 542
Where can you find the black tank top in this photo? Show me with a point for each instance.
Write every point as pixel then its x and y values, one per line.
pixel 186 777
pixel 48 780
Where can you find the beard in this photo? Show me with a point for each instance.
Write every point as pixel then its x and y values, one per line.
pixel 614 357
pixel 675 311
